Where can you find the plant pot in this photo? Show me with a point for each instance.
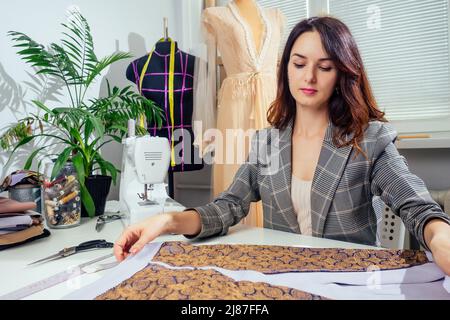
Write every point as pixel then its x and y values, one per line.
pixel 98 186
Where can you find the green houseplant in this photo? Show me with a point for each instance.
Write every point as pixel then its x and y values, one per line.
pixel 82 128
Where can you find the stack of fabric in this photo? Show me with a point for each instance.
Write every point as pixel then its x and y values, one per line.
pixel 21 178
pixel 19 223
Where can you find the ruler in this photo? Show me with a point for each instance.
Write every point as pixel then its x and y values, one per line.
pixel 50 281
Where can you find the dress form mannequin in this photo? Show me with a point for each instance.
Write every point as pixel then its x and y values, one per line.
pixel 249 12
pixel 155 80
pixel 248 38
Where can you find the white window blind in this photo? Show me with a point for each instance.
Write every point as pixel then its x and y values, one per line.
pixel 293 10
pixel 405 49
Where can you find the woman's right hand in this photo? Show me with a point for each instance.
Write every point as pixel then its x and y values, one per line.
pixel 136 236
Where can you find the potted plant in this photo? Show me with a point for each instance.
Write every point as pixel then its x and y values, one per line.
pixel 83 127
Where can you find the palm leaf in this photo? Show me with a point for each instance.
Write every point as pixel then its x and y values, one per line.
pixel 95 69
pixel 85 196
pixel 79 44
pixel 42 106
pixel 107 166
pixel 61 161
pixel 14 134
pixel 35 54
pixel 87 201
pixel 66 65
pixel 30 159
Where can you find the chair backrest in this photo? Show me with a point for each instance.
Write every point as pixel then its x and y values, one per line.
pixel 391 230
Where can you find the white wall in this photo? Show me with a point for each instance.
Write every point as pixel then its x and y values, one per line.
pixel 131 26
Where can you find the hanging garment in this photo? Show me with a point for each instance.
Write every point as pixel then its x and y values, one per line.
pixel 247 91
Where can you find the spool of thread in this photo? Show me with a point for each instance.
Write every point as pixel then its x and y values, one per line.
pixel 63 193
pixel 68 186
pixel 69 197
pixel 70 179
pixel 50 211
pixel 57 180
pixel 51 193
pixel 51 203
pixel 59 218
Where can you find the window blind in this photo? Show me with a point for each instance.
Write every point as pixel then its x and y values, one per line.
pixel 293 10
pixel 405 49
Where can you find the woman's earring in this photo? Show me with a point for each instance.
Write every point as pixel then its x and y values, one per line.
pixel 337 90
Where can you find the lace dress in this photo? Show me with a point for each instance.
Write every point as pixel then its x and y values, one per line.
pixel 248 89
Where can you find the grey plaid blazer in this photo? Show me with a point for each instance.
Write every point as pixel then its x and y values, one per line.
pixel 341 193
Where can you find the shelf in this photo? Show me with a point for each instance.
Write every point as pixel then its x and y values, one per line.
pixel 438 140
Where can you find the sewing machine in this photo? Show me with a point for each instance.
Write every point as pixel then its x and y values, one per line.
pixel 145 162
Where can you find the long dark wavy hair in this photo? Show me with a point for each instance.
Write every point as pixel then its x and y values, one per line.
pixel 352 105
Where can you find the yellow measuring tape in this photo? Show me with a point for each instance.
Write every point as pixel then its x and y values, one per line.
pixel 171 77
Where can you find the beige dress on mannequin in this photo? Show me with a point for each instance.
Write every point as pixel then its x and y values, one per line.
pixel 250 84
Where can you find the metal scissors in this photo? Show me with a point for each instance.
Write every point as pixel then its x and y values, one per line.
pixel 104 219
pixel 93 244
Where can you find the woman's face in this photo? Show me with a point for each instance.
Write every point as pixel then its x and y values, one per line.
pixel 312 74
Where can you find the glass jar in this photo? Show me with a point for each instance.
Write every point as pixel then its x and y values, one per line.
pixel 27 193
pixel 62 199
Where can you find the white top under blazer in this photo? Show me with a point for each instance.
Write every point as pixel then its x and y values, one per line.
pixel 301 199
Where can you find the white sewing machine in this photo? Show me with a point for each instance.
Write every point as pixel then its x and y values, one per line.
pixel 145 162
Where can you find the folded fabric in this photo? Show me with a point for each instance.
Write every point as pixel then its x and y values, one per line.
pixel 21 235
pixel 31 213
pixel 12 206
pixel 10 222
pixel 13 229
pixel 17 228
pixel 21 177
pixel 18 238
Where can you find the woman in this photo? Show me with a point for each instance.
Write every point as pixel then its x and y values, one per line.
pixel 334 152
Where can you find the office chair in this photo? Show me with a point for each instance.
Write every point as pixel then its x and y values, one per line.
pixel 392 231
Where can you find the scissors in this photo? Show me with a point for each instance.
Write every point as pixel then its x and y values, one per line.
pixel 104 219
pixel 93 244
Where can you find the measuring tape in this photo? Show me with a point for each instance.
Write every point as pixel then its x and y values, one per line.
pixel 50 281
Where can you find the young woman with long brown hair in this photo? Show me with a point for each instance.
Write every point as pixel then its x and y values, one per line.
pixel 334 151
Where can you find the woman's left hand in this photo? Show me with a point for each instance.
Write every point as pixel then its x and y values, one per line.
pixel 437 237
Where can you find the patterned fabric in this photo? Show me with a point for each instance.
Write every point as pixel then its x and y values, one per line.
pixel 159 283
pixel 342 188
pixel 280 259
pixel 22 177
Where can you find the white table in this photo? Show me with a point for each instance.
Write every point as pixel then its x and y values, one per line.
pixel 15 273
